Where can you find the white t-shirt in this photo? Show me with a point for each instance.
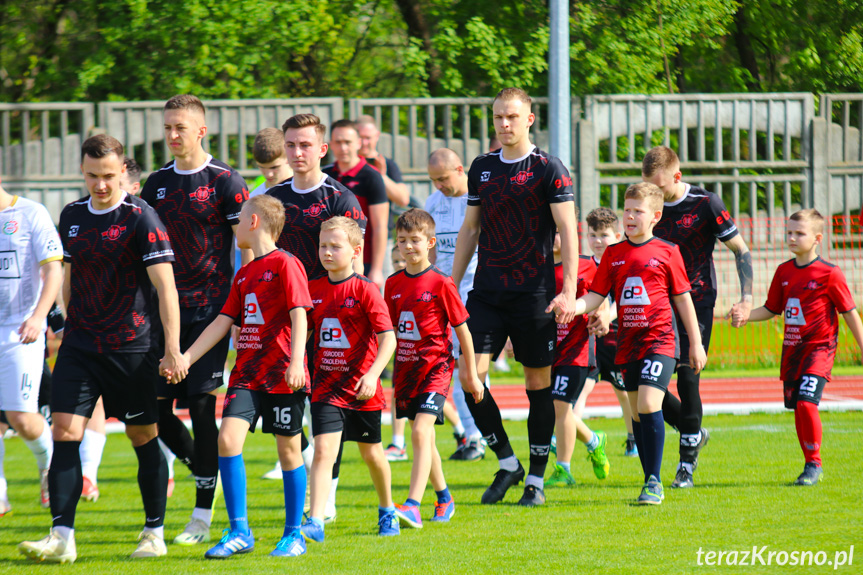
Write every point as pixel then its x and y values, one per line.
pixel 448 214
pixel 28 240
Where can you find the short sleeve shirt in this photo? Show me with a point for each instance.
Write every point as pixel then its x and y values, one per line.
pixel 367 184
pixel 261 299
pixel 347 318
pixel 113 302
pixel 573 338
pixel 448 214
pixel 643 278
pixel 810 298
pixel 517 227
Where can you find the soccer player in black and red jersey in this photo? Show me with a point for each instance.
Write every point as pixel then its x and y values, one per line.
pixel 116 252
pixel 809 292
pixel 199 199
pixel 694 219
pixel 352 171
pixel 516 197
pixel 354 340
pixel 646 274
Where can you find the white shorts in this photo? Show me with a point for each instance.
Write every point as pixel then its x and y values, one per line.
pixel 20 371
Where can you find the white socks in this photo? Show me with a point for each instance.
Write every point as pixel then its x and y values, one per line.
pixel 91 450
pixel 42 447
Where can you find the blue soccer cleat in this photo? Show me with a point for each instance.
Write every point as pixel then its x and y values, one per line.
pixel 410 515
pixel 388 525
pixel 293 545
pixel 231 543
pixel 443 512
pixel 313 531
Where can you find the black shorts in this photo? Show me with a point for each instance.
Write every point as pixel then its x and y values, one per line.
pixel 521 316
pixel 705 325
pixel 653 370
pixel 808 388
pixel 605 369
pixel 568 382
pixel 206 374
pixel 124 380
pixel 281 413
pixel 359 426
pixel 423 403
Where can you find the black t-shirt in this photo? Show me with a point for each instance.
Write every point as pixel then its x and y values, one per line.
pixel 199 207
pixel 306 210
pixel 694 223
pixel 515 244
pixel 367 184
pixel 113 301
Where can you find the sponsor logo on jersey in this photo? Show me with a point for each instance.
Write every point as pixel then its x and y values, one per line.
pixel 687 221
pixel 812 285
pixel 160 194
pixel 352 184
pixel 521 178
pixel 620 263
pixel 396 296
pixel 268 276
pixel 408 328
pixel 314 210
pixel 653 263
pixel 634 292
pixel 73 231
pixel 484 177
pixel 252 311
pixel 350 302
pixel 10 227
pixel 202 194
pixel 113 233
pixel 426 296
pixel 562 182
pixel 723 217
pixel 159 235
pixel 794 312
pixel 332 334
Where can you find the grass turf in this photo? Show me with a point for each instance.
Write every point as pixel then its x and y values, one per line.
pixel 742 499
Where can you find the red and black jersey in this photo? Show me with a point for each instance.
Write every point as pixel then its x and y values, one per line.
pixel 809 297
pixel 199 208
pixel 643 278
pixel 694 223
pixel 515 242
pixel 609 339
pixel 347 317
pixel 367 184
pixel 261 299
pixel 306 210
pixel 572 338
pixel 113 301
pixel 423 307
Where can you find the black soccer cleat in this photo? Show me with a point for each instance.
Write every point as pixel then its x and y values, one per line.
pixel 503 480
pixel 532 496
pixel 810 476
pixel 461 445
pixel 683 479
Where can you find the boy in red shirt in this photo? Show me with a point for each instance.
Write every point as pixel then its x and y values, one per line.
pixel 646 274
pixel 354 341
pixel 424 303
pixel 809 291
pixel 268 299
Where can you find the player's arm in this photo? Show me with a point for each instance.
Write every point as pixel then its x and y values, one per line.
pixel 743 259
pixel 599 320
pixel 67 285
pixel 212 334
pixel 466 242
pixel 563 303
pixel 295 377
pixel 474 387
pixel 378 215
pixel 397 192
pixel 368 383
pixel 52 278
pixel 855 326
pixel 245 255
pixel 758 314
pixel 697 355
pixel 176 367
pixel 586 304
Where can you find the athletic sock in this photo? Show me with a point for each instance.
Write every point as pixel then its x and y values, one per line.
pixel 205 515
pixel 535 480
pixel 671 409
pixel 443 496
pixel 384 510
pixel 688 383
pixel 233 470
pixel 331 498
pixel 91 453
pixel 808 423
pixel 486 415
pixel 157 531
pixel 337 464
pixel 639 443
pixel 399 441
pixel 170 458
pixel 202 409
pixel 630 437
pixel 540 428
pixel 508 463
pixel 458 429
pixel 411 503
pixel 65 532
pixel 593 443
pixel 175 435
pixel 566 466
pixel 65 482
pixel 294 484
pixel 653 437
pixel 153 482
pixel 42 447
pixel 308 456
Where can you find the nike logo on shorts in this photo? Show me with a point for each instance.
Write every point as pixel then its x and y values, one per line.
pixel 130 416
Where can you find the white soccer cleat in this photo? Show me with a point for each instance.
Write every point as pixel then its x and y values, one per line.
pixel 196 531
pixel 149 545
pixel 274 473
pixel 52 549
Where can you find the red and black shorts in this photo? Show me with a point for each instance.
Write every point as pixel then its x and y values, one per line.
pixel 808 388
pixel 281 413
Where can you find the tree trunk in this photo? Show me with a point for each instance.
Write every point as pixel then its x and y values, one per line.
pixel 418 28
pixel 745 50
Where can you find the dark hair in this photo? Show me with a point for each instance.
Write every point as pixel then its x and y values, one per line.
pixel 602 218
pixel 304 121
pixel 186 102
pixel 416 219
pixel 100 146
pixel 269 145
pixel 133 170
pixel 343 124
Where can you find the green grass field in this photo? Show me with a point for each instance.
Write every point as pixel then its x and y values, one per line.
pixel 742 499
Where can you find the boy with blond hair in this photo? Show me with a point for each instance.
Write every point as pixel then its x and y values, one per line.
pixel 353 342
pixel 646 274
pixel 424 303
pixel 268 299
pixel 808 291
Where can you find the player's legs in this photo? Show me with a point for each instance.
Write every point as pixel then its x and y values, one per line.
pixel 396 450
pixel 379 469
pixel 581 402
pixel 804 396
pixel 92 447
pixel 152 480
pixel 175 435
pixel 422 438
pixel 326 449
pixel 294 478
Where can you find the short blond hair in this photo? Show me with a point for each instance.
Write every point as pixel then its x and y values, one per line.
pixel 658 159
pixel 347 225
pixel 270 210
pixel 812 216
pixel 647 192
